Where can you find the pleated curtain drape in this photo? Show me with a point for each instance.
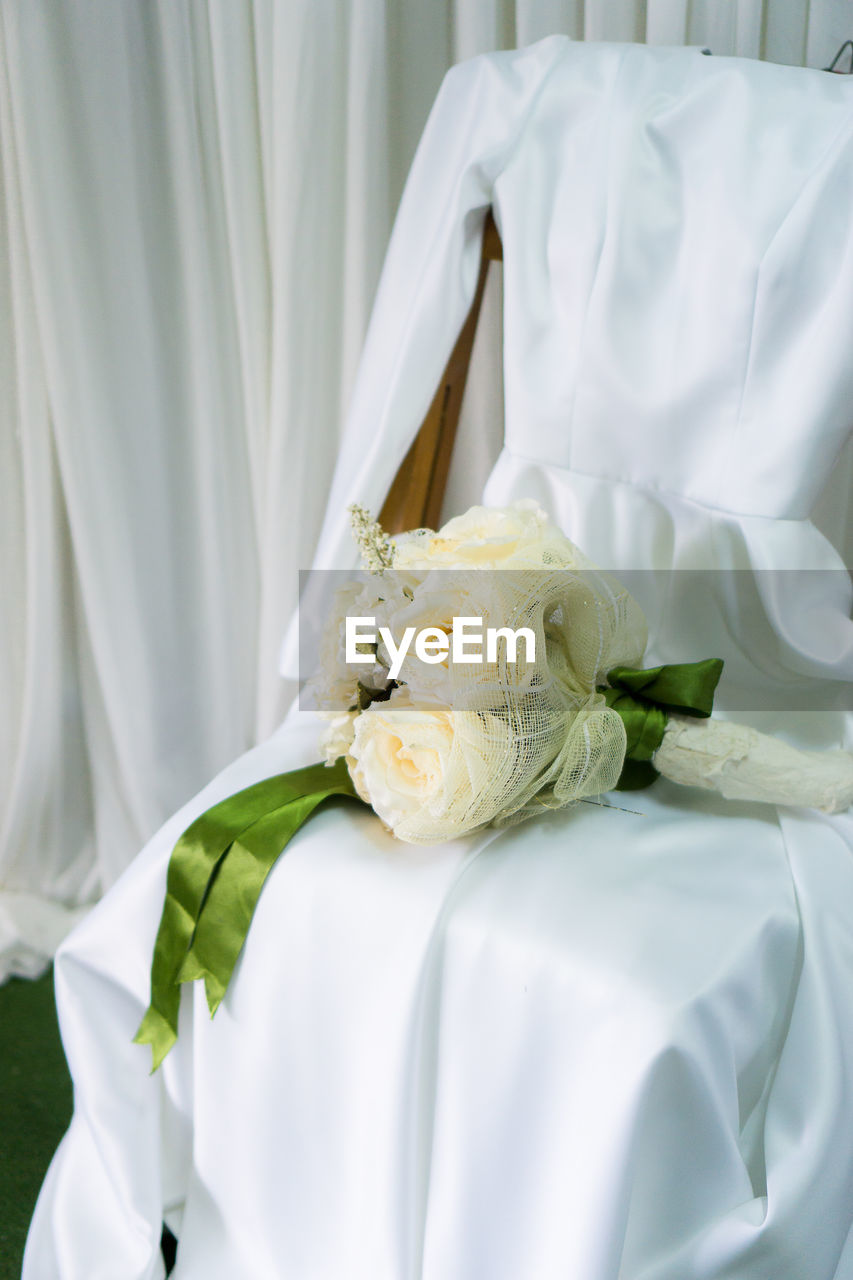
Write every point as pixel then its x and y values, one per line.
pixel 195 199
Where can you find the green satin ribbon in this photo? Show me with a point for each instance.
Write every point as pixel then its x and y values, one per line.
pixel 216 872
pixel 645 699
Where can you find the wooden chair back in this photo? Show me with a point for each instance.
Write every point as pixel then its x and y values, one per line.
pixel 416 494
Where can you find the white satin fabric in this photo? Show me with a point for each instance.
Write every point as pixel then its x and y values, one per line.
pixel 605 1044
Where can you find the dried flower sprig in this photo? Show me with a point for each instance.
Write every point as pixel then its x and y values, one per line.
pixel 377 549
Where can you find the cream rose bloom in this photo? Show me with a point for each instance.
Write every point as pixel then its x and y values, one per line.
pixel 520 536
pixel 496 599
pixel 333 687
pixel 520 539
pixel 399 759
pixel 427 770
pixel 433 773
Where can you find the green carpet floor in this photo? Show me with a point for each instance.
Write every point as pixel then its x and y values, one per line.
pixel 35 1107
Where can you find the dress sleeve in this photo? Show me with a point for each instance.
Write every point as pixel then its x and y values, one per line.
pixel 428 280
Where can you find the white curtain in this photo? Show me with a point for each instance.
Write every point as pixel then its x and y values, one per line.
pixel 195 198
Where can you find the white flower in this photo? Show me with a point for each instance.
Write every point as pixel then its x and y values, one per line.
pixel 425 770
pixel 590 621
pixel 432 773
pixel 460 744
pixel 399 757
pixel 334 686
pixel 485 600
pixel 520 536
pixel 338 735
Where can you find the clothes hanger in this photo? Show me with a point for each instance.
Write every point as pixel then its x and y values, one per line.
pixel 833 66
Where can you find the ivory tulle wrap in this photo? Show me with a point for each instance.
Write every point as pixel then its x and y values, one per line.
pixel 599 1045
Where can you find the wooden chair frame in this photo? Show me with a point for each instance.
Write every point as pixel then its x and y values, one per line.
pixel 416 494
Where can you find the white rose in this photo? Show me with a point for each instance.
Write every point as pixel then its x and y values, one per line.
pixel 427 771
pixel 334 686
pixel 338 735
pixel 496 600
pixel 519 536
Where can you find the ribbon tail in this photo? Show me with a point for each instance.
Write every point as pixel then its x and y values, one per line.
pixel 227 914
pixel 159 1025
pixel 194 867
pixel 191 970
pixel 158 1030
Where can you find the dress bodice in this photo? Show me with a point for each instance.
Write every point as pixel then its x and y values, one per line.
pixel 677 272
pixel 678 310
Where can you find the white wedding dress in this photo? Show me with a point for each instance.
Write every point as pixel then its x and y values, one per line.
pixel 604 1044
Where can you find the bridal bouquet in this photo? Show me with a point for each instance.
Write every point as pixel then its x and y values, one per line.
pixel 476 695
pixel 472 676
